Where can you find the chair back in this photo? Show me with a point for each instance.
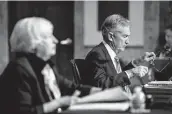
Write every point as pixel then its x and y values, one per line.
pixel 79 69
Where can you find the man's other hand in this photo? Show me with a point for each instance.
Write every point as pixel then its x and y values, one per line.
pixel 148 57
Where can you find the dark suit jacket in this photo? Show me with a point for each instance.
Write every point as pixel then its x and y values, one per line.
pixel 22 86
pixel 102 72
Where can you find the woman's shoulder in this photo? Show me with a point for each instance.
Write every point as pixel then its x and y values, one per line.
pixel 17 67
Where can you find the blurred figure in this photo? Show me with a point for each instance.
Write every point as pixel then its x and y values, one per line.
pixel 163 51
pixel 105 67
pixel 30 84
pixel 164 46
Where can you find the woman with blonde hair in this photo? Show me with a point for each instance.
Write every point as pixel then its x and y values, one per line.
pixel 30 84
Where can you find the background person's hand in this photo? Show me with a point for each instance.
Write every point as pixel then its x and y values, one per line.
pixel 149 56
pixel 140 71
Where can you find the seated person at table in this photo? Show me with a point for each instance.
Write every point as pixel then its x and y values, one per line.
pixel 30 84
pixel 163 51
pixel 105 69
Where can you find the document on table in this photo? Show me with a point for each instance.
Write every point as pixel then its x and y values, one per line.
pixel 109 95
pixel 113 99
pixel 122 106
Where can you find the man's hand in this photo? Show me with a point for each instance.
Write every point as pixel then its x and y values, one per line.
pixel 145 59
pixel 138 71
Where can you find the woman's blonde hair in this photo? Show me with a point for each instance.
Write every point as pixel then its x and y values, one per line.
pixel 27 32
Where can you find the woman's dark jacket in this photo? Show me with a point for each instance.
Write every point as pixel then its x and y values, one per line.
pixel 22 86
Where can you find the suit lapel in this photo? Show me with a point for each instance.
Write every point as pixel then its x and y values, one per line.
pixel 110 63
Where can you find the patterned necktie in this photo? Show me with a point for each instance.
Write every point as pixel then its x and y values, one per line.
pixel 118 69
pixel 118 66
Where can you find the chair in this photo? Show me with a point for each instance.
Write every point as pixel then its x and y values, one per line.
pixel 79 70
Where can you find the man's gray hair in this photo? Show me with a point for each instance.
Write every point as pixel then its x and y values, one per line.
pixel 112 21
pixel 26 34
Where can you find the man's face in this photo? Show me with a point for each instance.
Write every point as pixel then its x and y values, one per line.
pixel 168 37
pixel 121 37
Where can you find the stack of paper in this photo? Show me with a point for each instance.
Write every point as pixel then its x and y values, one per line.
pixel 123 106
pixel 110 99
pixel 111 95
pixel 160 83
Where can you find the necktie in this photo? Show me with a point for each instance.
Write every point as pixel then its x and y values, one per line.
pixel 118 66
pixel 118 69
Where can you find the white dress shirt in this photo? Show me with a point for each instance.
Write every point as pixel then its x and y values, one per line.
pixel 112 56
pixel 111 53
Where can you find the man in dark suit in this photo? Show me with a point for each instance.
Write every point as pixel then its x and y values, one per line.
pixel 105 69
pixel 30 84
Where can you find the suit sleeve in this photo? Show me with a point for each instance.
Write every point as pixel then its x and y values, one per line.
pixel 128 67
pixel 101 78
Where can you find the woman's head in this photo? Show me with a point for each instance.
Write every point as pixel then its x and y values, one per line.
pixel 34 35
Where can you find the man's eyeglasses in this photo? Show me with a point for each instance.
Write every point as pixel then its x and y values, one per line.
pixel 167 62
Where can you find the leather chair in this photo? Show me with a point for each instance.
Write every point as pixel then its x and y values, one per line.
pixel 79 70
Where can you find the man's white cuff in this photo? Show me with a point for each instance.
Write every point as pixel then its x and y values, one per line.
pixel 129 74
